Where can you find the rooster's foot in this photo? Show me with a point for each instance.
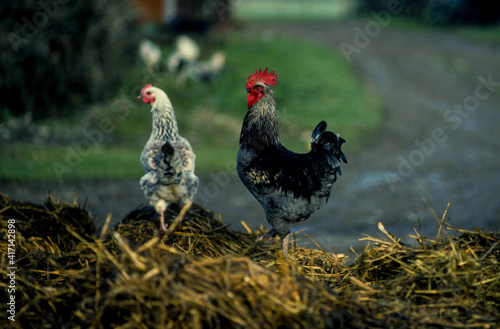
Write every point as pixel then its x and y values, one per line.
pixel 285 246
pixel 269 234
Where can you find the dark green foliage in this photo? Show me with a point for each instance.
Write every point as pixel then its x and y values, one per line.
pixel 57 55
pixel 437 11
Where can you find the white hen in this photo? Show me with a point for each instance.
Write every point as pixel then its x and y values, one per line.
pixel 167 158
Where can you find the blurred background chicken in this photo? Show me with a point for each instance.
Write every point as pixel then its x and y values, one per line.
pixel 184 61
pixel 207 71
pixel 149 54
pixel 167 159
pixel 186 52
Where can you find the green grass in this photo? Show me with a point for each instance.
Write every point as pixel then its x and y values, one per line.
pixel 484 34
pixel 314 84
pixel 57 163
pixel 313 10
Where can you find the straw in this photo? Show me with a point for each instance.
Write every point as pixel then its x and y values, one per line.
pixel 203 274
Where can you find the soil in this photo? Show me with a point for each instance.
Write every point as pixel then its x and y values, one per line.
pixel 439 140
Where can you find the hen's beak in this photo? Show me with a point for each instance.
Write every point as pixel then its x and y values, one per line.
pixel 140 96
pixel 247 90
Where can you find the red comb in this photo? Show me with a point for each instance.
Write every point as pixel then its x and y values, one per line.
pixel 270 79
pixel 146 87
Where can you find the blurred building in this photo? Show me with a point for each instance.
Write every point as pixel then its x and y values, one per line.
pixel 186 15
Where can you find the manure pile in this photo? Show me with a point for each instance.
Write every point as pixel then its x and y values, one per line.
pixel 202 274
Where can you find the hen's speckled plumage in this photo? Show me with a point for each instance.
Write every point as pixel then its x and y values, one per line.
pixel 167 159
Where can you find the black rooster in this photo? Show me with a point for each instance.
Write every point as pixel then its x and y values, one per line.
pixel 289 186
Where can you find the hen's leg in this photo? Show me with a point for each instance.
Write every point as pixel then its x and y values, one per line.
pixel 160 208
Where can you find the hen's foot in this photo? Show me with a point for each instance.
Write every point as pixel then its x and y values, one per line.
pixel 163 226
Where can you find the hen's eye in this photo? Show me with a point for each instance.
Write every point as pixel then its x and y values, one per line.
pixel 148 93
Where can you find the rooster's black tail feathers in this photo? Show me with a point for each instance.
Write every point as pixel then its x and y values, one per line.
pixel 317 132
pixel 329 142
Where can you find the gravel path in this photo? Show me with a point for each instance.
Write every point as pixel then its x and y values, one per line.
pixel 439 140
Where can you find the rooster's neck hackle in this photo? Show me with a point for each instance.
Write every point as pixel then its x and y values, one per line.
pixel 164 122
pixel 260 127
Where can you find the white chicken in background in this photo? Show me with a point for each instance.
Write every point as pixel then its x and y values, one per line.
pixel 150 54
pixel 183 63
pixel 185 53
pixel 208 70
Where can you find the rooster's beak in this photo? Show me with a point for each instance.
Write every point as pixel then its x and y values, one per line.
pixel 247 90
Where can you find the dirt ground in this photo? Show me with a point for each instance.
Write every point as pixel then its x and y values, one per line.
pixel 439 140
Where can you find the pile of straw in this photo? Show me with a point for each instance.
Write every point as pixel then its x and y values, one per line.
pixel 202 274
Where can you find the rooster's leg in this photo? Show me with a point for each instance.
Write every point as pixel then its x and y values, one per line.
pixel 160 208
pixel 285 245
